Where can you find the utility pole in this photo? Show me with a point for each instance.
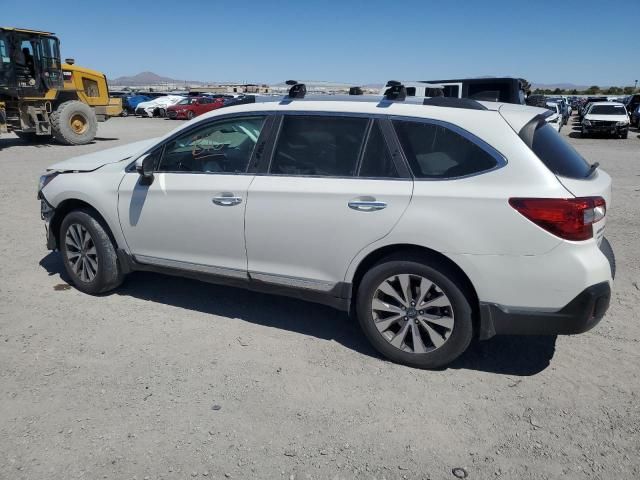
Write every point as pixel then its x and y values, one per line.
pixel 635 87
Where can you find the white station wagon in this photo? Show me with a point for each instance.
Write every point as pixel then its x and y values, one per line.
pixel 435 222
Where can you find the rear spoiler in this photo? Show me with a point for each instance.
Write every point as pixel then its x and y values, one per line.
pixel 526 132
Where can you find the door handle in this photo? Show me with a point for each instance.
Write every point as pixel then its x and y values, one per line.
pixel 367 205
pixel 227 199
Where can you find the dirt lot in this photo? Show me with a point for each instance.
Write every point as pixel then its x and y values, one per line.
pixel 176 379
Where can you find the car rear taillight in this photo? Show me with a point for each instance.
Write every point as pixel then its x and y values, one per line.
pixel 568 218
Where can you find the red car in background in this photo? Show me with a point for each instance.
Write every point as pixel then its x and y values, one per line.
pixel 193 106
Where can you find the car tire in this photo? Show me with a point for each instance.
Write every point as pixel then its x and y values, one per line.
pixel 125 113
pixel 96 268
pixel 190 115
pixel 624 135
pixel 413 339
pixel 74 123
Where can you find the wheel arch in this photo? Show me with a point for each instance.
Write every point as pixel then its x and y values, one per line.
pixel 395 250
pixel 70 205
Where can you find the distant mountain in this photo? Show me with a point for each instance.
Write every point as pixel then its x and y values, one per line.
pixel 146 78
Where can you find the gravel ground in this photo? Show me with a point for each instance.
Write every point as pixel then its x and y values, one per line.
pixel 170 378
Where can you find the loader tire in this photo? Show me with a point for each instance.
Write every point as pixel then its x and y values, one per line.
pixel 74 123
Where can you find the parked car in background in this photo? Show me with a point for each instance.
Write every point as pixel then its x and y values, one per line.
pixel 239 100
pixel 635 117
pixel 339 193
pixel 562 106
pixel 131 102
pixel 191 107
pixel 632 103
pixel 606 118
pixel 587 103
pixel 554 120
pixel 158 106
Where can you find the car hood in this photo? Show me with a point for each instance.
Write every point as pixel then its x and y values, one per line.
pixel 162 101
pixel 93 161
pixel 610 118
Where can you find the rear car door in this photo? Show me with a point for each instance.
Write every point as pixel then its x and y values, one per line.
pixel 331 187
pixel 192 215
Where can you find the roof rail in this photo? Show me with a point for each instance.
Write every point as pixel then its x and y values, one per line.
pixel 453 102
pixel 395 91
pixel 356 91
pixel 297 90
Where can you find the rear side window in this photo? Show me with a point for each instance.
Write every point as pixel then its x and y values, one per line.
pixel 559 157
pixel 319 146
pixel 435 151
pixel 377 161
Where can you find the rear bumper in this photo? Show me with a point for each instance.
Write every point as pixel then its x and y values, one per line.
pixel 581 314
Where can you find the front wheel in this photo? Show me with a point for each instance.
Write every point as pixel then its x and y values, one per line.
pixel 415 312
pixel 88 254
pixel 74 123
pixel 190 115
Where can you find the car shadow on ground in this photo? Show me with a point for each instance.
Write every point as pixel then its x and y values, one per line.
pixel 519 356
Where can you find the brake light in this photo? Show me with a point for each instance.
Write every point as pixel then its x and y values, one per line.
pixel 568 218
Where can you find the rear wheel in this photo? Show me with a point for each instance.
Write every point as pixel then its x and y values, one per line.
pixel 74 123
pixel 125 113
pixel 415 312
pixel 88 254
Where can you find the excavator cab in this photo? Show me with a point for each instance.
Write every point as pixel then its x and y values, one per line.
pixel 30 63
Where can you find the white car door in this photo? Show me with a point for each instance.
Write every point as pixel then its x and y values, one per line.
pixel 332 188
pixel 192 214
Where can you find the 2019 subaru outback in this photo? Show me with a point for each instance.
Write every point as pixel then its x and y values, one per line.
pixel 435 223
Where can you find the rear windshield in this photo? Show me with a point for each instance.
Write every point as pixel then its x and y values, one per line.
pixel 608 110
pixel 559 157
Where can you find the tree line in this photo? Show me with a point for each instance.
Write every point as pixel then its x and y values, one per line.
pixel 592 90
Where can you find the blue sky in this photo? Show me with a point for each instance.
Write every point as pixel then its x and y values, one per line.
pixel 347 41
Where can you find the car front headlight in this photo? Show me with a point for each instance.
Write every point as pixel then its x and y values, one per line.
pixel 586 122
pixel 622 123
pixel 46 179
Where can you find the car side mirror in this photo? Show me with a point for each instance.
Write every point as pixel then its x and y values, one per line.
pixel 144 167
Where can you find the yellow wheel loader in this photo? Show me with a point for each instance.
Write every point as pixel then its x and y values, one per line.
pixel 41 97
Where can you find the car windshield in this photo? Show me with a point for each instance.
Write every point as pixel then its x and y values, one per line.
pixel 607 110
pixel 186 101
pixel 553 107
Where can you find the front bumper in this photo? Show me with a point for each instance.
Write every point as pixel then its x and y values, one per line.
pixel 46 213
pixel 610 129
